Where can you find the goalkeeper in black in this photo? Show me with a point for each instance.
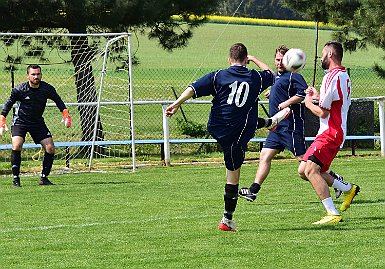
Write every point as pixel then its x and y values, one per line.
pixel 31 99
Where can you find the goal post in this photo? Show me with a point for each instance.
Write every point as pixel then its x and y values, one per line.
pixel 103 73
pixel 93 75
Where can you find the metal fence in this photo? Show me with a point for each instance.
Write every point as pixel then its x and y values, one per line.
pixel 166 84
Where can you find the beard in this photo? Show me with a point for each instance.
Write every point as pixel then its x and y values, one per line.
pixel 325 64
pixel 35 81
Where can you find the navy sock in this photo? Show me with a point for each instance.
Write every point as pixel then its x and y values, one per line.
pixel 47 164
pixel 15 162
pixel 230 198
pixel 255 187
pixel 262 122
pixel 332 174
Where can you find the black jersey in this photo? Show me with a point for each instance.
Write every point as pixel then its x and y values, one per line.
pixel 31 102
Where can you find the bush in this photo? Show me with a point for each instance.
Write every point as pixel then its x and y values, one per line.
pixel 192 129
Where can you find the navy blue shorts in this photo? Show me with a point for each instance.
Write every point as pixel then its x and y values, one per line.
pixel 234 146
pixel 38 132
pixel 293 141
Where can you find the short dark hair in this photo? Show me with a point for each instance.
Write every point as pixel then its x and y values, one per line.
pixel 238 52
pixel 33 66
pixel 337 49
pixel 281 49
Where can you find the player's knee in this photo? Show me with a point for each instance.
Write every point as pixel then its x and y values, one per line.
pixel 301 171
pixel 265 157
pixel 17 147
pixel 50 148
pixel 303 176
pixel 310 171
pixel 17 144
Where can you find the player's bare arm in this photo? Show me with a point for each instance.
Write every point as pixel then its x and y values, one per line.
pixel 267 94
pixel 261 65
pixel 313 92
pixel 291 101
pixel 173 108
pixel 315 109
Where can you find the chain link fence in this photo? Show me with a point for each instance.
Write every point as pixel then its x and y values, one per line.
pixel 168 84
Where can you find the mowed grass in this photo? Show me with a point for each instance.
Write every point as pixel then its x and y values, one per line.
pixel 167 218
pixel 208 49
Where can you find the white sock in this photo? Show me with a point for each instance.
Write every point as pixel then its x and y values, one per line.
pixel 341 185
pixel 329 206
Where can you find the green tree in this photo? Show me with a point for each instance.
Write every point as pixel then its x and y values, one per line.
pixel 362 21
pixel 267 9
pixel 83 16
pixel 324 10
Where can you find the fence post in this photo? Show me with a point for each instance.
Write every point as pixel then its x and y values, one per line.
pixel 166 136
pixel 67 150
pixel 381 112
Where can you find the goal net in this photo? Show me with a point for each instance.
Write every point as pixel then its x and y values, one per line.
pixel 92 74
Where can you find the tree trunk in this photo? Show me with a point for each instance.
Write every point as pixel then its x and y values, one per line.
pixel 81 56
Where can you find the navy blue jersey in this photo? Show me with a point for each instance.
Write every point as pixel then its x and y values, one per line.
pixel 286 86
pixel 31 102
pixel 235 92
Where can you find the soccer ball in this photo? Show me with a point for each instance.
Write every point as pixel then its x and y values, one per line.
pixel 294 60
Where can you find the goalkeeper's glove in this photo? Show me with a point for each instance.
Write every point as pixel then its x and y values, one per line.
pixel 3 126
pixel 66 118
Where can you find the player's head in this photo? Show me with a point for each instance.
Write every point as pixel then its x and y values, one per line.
pixel 279 52
pixel 332 53
pixel 238 54
pixel 34 75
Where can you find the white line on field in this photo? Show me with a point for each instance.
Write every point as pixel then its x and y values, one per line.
pixel 81 225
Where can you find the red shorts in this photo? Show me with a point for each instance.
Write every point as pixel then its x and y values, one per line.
pixel 324 151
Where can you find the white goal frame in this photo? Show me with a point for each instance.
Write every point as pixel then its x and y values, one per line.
pixel 99 87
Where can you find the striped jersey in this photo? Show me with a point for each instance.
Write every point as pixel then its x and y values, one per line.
pixel 335 96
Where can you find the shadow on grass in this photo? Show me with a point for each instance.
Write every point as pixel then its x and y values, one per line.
pixel 335 227
pixel 360 223
pixel 100 183
pixel 356 201
pixel 372 201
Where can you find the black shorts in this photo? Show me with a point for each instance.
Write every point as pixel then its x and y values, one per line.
pixel 38 132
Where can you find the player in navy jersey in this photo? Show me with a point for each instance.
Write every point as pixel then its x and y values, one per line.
pixel 31 98
pixel 287 91
pixel 234 115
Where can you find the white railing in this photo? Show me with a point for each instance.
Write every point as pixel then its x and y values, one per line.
pixel 166 132
pixel 167 141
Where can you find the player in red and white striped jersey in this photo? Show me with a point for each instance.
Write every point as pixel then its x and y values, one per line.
pixel 334 101
pixel 335 95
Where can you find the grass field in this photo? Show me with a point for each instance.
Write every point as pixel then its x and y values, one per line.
pixel 167 218
pixel 207 51
pixel 210 43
